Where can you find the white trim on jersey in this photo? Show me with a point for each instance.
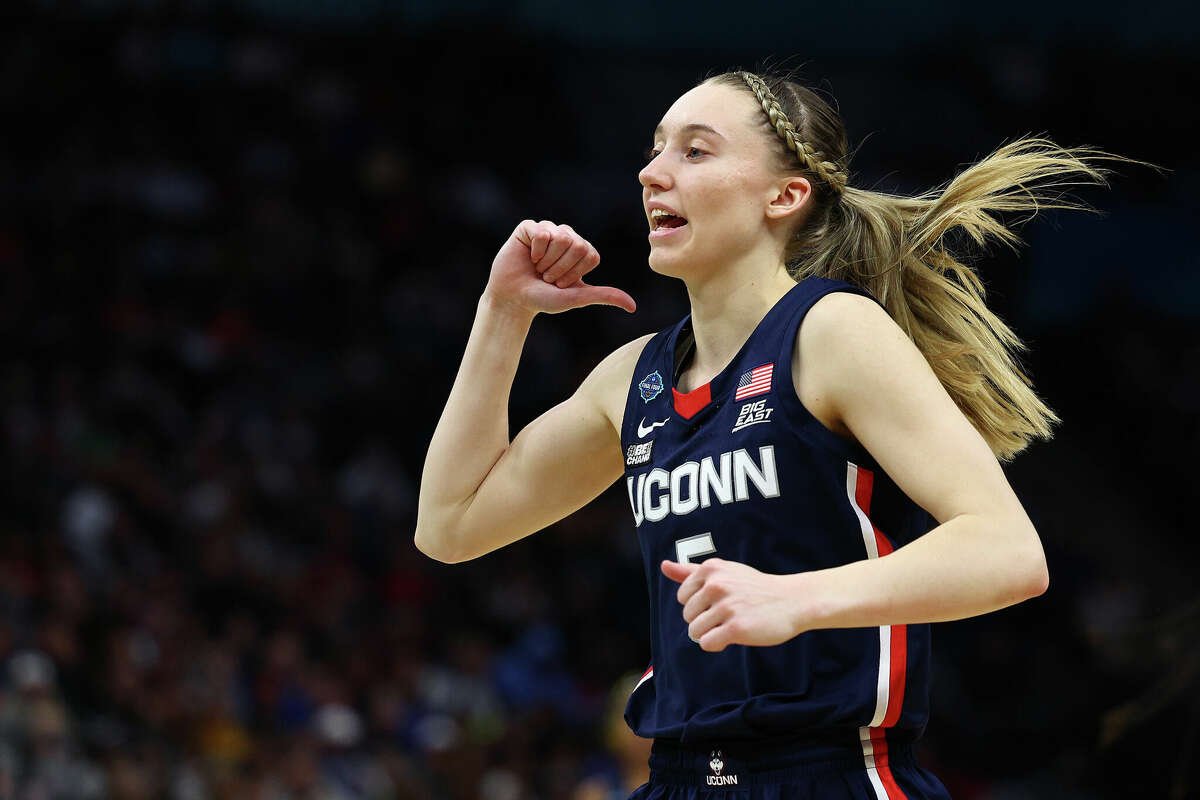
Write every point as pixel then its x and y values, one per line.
pixel 873 737
pixel 882 680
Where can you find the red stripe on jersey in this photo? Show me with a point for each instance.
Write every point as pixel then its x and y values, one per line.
pixel 899 633
pixel 879 746
pixel 896 678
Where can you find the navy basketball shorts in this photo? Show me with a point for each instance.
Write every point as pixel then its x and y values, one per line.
pixel 837 767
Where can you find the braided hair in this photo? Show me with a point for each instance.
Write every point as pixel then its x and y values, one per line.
pixel 828 171
pixel 899 248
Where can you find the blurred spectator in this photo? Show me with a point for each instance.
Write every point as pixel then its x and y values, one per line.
pixel 624 766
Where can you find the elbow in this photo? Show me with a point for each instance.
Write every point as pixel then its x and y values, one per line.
pixel 1040 580
pixel 1024 574
pixel 1035 571
pixel 435 547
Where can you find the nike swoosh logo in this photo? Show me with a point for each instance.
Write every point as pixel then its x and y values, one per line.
pixel 643 430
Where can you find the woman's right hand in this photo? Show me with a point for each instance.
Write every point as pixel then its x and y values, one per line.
pixel 541 267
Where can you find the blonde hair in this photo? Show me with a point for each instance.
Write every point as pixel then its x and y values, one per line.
pixel 896 248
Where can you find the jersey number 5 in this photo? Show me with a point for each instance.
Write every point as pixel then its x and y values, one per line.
pixel 693 546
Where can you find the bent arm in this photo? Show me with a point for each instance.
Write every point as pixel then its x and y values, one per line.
pixel 967 566
pixel 985 554
pixel 472 432
pixel 479 491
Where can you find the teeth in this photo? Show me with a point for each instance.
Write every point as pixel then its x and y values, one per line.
pixel 657 214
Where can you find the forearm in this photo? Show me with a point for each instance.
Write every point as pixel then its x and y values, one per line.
pixel 967 566
pixel 472 432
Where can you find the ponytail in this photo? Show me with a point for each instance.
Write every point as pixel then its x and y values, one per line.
pixel 897 248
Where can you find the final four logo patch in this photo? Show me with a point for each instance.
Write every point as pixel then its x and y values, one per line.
pixel 651 386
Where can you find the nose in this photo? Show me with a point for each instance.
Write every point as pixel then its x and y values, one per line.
pixel 652 176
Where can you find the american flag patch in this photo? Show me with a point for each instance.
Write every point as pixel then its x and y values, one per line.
pixel 755 382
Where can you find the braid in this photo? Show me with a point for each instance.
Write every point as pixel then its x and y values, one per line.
pixel 905 250
pixel 827 170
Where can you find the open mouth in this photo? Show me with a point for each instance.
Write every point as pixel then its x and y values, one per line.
pixel 660 220
pixel 664 224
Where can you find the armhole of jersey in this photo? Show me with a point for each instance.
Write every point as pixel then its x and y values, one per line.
pixel 803 420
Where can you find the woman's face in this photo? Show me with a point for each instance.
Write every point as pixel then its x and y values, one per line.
pixel 710 164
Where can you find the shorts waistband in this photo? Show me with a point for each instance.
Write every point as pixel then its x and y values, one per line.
pixel 776 760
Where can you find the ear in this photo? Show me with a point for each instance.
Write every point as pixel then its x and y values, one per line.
pixel 790 196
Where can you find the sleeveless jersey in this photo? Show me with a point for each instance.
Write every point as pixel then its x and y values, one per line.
pixel 739 469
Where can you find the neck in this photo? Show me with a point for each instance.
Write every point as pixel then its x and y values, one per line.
pixel 726 307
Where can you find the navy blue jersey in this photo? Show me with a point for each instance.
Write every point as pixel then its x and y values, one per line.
pixel 739 469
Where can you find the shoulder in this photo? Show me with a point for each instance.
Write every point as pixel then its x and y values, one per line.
pixel 842 318
pixel 842 346
pixel 864 367
pixel 607 385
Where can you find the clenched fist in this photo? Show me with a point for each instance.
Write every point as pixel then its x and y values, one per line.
pixel 727 602
pixel 541 267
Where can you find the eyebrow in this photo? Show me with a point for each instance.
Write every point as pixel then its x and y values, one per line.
pixel 693 126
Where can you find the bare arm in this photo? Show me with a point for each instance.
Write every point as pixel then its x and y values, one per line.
pixel 479 491
pixel 472 433
pixel 985 554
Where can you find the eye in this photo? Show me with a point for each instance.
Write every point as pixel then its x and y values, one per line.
pixel 651 153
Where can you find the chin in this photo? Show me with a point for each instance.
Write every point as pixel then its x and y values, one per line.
pixel 671 260
pixel 674 262
pixel 666 264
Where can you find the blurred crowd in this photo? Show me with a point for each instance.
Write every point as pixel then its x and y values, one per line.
pixel 239 266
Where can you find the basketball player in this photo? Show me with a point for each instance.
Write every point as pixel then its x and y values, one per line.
pixel 811 455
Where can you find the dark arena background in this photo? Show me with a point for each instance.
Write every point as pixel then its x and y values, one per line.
pixel 241 245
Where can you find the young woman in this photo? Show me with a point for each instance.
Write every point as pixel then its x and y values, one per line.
pixel 782 476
